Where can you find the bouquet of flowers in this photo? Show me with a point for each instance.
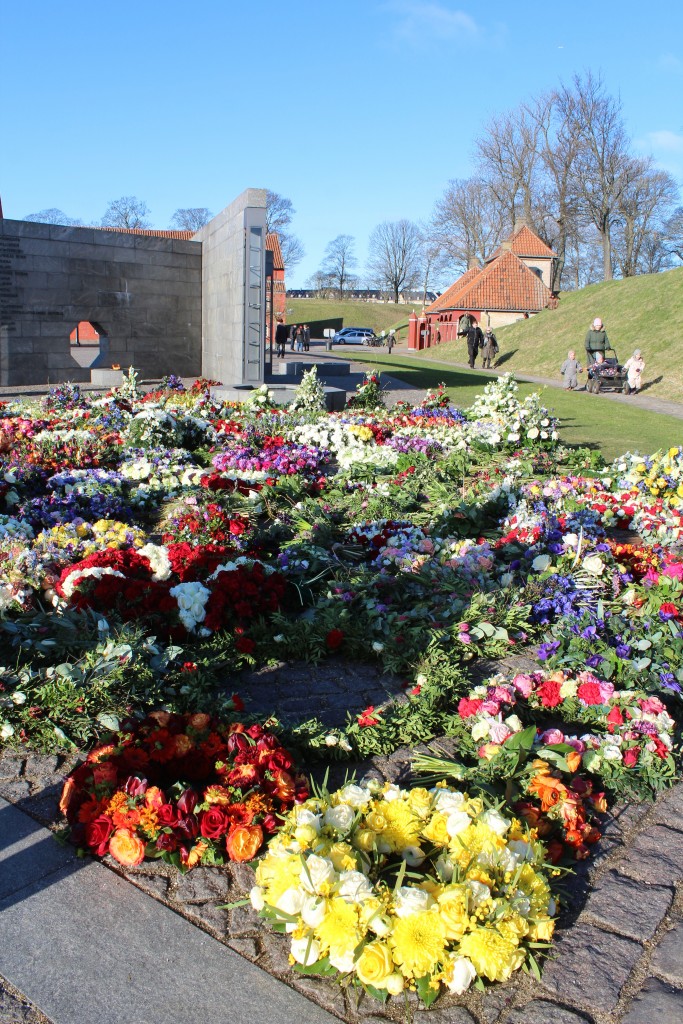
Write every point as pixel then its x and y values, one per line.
pixel 393 888
pixel 184 788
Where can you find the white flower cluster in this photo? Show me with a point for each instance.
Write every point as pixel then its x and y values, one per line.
pixel 191 599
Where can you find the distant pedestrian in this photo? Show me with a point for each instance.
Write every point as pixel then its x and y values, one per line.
pixel 437 337
pixel 570 369
pixel 390 341
pixel 596 340
pixel 299 338
pixel 634 368
pixel 489 349
pixel 307 338
pixel 280 338
pixel 475 339
pixel 292 337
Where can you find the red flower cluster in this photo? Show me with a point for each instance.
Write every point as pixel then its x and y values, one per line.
pixel 186 788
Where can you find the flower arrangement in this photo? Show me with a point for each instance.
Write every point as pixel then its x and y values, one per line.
pixel 368 394
pixel 393 888
pixel 184 788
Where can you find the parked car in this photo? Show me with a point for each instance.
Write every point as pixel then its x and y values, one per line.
pixel 353 336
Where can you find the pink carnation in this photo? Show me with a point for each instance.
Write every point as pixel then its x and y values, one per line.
pixel 652 706
pixel 523 683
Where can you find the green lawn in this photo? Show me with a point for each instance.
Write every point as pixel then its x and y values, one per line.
pixel 614 427
pixel 378 315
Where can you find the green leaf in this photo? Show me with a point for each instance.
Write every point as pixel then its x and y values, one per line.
pixel 425 991
pixel 321 967
pixel 522 740
pixel 377 993
pixel 108 721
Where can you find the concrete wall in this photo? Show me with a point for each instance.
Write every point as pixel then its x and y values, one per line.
pixel 144 291
pixel 233 304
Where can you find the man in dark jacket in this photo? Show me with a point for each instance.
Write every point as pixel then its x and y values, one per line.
pixel 474 339
pixel 596 340
pixel 280 338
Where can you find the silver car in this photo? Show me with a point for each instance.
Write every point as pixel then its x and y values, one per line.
pixel 354 336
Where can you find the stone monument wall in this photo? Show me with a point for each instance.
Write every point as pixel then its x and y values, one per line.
pixel 144 294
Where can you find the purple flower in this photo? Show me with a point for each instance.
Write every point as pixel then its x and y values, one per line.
pixel 594 660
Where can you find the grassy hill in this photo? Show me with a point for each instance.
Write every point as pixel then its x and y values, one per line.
pixel 378 315
pixel 641 312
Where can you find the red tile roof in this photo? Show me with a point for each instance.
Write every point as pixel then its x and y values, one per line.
pixel 504 284
pixel 183 236
pixel 273 243
pixel 523 242
pixel 448 298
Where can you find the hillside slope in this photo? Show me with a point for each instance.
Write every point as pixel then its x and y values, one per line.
pixel 640 312
pixel 378 315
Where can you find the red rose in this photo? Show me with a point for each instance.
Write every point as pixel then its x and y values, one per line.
pixel 614 718
pixel 549 692
pixel 334 639
pixel 167 842
pixel 589 693
pixel 167 816
pixel 97 834
pixel 245 645
pixel 631 756
pixel 213 823
pixel 467 707
pixel 280 759
pixel 104 773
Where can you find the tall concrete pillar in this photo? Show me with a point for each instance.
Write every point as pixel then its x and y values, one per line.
pixel 234 291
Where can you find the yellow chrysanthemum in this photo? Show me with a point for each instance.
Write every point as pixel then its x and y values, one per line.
pixel 418 942
pixel 402 828
pixel 338 932
pixel 494 956
pixel 513 926
pixel 277 874
pixel 477 838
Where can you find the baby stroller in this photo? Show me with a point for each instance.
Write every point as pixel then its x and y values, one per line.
pixel 609 375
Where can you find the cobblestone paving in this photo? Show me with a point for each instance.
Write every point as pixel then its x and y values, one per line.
pixel 618 958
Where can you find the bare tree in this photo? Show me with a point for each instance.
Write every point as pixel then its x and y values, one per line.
pixel 126 212
pixel 507 156
pixel 468 222
pixel 599 171
pixel 191 219
pixel 673 230
pixel 339 261
pixel 52 216
pixel 395 254
pixel 292 250
pixel 648 196
pixel 279 213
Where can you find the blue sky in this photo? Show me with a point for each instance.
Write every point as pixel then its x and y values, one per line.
pixel 359 111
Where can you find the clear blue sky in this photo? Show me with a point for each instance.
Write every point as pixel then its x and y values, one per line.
pixel 358 111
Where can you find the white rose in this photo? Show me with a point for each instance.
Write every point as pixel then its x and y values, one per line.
pixel 532 432
pixel 313 911
pixel 6 731
pixel 481 730
pixel 570 540
pixel 413 856
pixel 341 817
pixel 354 886
pixel 18 697
pixel 594 565
pixel 412 901
pixel 305 951
pixel 495 821
pixel 391 793
pixel 457 822
pixel 540 563
pixel 317 872
pixel 447 800
pixel 521 849
pixel 611 752
pixel 256 897
pixel 377 647
pixel 461 975
pixel 343 962
pixel 330 740
pixel 306 817
pixel 479 891
pixel 290 902
pixel 514 723
pixel 354 795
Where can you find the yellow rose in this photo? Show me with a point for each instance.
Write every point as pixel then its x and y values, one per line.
pixel 375 964
pixel 420 801
pixel 436 831
pixel 395 984
pixel 365 839
pixel 305 836
pixel 542 930
pixel 343 857
pixel 376 821
pixel 454 914
pixel 513 926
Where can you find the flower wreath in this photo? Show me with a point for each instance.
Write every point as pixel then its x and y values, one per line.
pixel 395 888
pixel 184 788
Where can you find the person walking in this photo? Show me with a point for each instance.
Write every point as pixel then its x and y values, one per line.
pixel 596 340
pixel 489 349
pixel 307 338
pixel 299 338
pixel 634 367
pixel 570 369
pixel 292 337
pixel 280 338
pixel 391 338
pixel 475 339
